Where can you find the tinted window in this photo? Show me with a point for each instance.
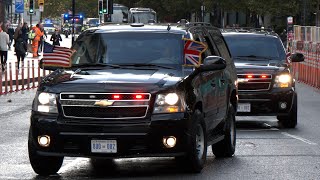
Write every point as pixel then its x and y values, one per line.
pixel 261 46
pixel 122 48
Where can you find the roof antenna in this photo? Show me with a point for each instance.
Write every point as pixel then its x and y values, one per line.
pixel 169 27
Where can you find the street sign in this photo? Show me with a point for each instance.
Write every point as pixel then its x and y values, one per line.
pixel 290 20
pixel 41 8
pixel 19 6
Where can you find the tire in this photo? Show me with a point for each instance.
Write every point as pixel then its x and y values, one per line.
pixel 196 156
pixel 43 165
pixel 291 120
pixel 227 146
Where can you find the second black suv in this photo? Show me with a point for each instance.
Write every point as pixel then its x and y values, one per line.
pixel 129 93
pixel 265 82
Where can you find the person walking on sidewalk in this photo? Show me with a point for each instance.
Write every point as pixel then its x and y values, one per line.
pixel 11 33
pixel 20 46
pixel 4 42
pixel 36 40
pixel 56 38
pixel 25 30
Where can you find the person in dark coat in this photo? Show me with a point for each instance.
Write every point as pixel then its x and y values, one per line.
pixel 25 30
pixel 56 38
pixel 11 33
pixel 20 46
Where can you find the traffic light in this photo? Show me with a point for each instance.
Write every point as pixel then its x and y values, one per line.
pixel 105 7
pixel 100 11
pixel 31 7
pixel 110 8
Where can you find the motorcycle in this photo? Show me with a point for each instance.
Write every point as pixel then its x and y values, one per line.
pixel 66 32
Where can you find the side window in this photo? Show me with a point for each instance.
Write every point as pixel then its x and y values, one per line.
pixel 221 44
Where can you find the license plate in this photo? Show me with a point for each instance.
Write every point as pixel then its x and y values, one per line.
pixel 104 146
pixel 244 107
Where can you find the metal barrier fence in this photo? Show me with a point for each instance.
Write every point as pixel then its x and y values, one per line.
pixel 308 71
pixel 13 80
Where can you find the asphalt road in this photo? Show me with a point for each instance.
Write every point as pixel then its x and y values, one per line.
pixel 264 149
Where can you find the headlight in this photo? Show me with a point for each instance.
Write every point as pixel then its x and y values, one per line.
pixel 45 102
pixel 283 81
pixel 168 103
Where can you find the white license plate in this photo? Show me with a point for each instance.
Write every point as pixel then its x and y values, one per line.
pixel 104 146
pixel 244 107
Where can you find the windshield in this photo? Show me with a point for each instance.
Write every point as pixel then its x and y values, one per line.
pixel 252 46
pixel 143 17
pixel 129 48
pixel 48 25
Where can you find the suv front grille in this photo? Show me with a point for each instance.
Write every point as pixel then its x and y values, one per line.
pixel 88 106
pixel 254 82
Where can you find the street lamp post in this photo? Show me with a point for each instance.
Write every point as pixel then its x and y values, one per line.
pixel 73 15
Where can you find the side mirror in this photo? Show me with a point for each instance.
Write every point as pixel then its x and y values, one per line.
pixel 297 57
pixel 213 63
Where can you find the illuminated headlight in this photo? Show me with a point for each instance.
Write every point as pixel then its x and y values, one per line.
pixel 168 103
pixel 45 102
pixel 283 81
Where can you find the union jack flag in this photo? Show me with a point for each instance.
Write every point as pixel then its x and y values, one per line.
pixel 56 56
pixel 193 51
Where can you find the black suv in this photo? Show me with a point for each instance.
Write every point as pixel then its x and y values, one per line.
pixel 265 82
pixel 128 93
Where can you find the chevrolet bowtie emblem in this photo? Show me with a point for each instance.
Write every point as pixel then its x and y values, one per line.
pixel 103 103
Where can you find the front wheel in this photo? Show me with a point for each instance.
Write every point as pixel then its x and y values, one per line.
pixel 291 120
pixel 43 165
pixel 227 146
pixel 197 145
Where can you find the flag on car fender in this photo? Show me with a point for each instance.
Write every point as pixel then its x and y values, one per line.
pixel 192 52
pixel 56 55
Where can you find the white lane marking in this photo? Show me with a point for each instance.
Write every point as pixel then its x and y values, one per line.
pixel 299 138
pixel 258 130
pixel 72 165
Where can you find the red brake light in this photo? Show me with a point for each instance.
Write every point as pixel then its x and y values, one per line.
pixel 263 76
pixel 138 96
pixel 116 96
pixel 249 76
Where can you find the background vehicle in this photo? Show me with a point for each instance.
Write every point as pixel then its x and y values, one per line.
pixel 67 19
pixel 120 13
pixel 49 28
pixel 142 15
pixel 92 22
pixel 266 85
pixel 131 92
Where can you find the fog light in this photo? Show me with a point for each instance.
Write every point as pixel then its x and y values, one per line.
pixel 44 140
pixel 169 142
pixel 283 105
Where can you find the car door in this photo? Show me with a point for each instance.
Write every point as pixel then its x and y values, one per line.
pixel 209 84
pixel 223 75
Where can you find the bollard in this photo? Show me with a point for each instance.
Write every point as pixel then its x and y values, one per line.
pixel 11 81
pixel 5 81
pixel 17 79
pixel 1 83
pixel 28 75
pixel 38 72
pixel 33 79
pixel 22 75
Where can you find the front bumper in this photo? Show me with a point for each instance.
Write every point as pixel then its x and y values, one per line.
pixel 267 103
pixel 133 140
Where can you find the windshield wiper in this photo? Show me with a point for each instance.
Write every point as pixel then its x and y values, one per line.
pixel 147 65
pixel 85 65
pixel 254 56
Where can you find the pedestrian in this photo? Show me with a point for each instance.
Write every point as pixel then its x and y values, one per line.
pixel 4 42
pixel 56 38
pixel 25 30
pixel 11 33
pixel 36 39
pixel 20 46
pixel 42 38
